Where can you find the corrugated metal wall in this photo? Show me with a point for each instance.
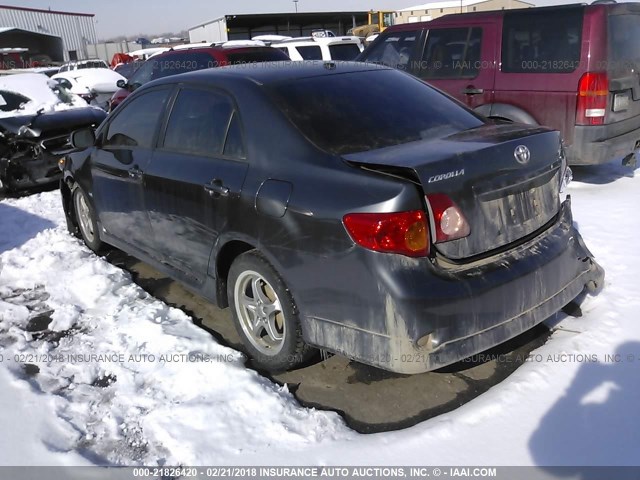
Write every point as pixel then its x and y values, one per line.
pixel 214 31
pixel 76 31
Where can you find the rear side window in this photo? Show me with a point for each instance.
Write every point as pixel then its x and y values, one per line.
pixel 542 42
pixel 452 53
pixel 234 146
pixel 253 56
pixel 393 50
pixel 136 124
pixel 624 41
pixel 356 112
pixel 344 51
pixel 199 122
pixel 310 52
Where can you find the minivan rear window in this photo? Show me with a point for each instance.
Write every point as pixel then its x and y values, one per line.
pixel 624 40
pixel 253 56
pixel 543 41
pixel 356 112
pixel 344 51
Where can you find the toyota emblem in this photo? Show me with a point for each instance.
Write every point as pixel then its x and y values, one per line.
pixel 522 154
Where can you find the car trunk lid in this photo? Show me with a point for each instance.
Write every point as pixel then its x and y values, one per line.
pixel 503 198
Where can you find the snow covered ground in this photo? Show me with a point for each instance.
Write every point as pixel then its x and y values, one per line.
pixel 121 378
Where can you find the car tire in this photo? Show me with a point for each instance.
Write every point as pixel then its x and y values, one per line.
pixel 265 314
pixel 85 217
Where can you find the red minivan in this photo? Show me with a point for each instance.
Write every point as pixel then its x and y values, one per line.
pixel 575 68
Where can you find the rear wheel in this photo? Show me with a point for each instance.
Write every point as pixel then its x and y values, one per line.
pixel 86 219
pixel 265 314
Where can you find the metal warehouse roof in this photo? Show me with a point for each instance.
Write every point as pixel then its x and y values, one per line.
pixel 12 29
pixel 39 10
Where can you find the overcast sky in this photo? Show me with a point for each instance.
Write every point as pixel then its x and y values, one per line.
pixel 128 17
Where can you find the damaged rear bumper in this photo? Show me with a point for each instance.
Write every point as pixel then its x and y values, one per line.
pixel 427 316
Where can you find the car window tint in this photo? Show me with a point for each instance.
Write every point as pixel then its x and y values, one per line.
pixel 451 53
pixel 143 74
pixel 624 38
pixel 356 112
pixel 537 42
pixel 344 51
pixel 392 50
pixel 258 55
pixel 198 123
pixel 181 62
pixel 11 101
pixel 136 124
pixel 310 52
pixel 233 146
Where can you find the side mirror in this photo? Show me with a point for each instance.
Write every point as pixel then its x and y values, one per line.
pixel 134 86
pixel 121 83
pixel 81 139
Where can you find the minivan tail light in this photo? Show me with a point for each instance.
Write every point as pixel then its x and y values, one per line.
pixel 405 233
pixel 593 94
pixel 447 220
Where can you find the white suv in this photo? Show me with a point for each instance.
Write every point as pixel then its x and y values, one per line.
pixel 321 48
pixel 82 64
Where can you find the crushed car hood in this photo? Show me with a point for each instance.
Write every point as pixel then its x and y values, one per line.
pixel 60 120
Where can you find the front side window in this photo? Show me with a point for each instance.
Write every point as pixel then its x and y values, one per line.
pixel 387 19
pixel 136 123
pixel 538 42
pixel 199 122
pixel 452 53
pixel 393 50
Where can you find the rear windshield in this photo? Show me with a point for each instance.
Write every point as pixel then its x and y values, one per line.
pixel 542 42
pixel 624 40
pixel 344 51
pixel 310 52
pixel 253 56
pixel 173 64
pixel 356 112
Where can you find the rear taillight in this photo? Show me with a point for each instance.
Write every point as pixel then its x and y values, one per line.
pixel 401 232
pixel 593 93
pixel 447 220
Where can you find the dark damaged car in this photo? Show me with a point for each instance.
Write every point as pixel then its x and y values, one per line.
pixel 37 115
pixel 406 232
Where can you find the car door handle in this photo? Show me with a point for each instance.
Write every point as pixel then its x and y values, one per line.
pixel 135 173
pixel 472 91
pixel 216 188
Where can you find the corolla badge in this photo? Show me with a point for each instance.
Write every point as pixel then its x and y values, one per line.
pixel 522 154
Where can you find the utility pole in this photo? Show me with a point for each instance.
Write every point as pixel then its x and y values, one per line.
pixel 295 2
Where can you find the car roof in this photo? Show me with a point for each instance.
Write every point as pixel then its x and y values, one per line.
pixel 272 72
pixel 227 47
pixel 461 18
pixel 294 42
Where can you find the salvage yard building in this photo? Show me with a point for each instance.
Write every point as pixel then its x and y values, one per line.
pixel 62 36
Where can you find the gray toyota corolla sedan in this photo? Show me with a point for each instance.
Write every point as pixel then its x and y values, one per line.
pixel 342 206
